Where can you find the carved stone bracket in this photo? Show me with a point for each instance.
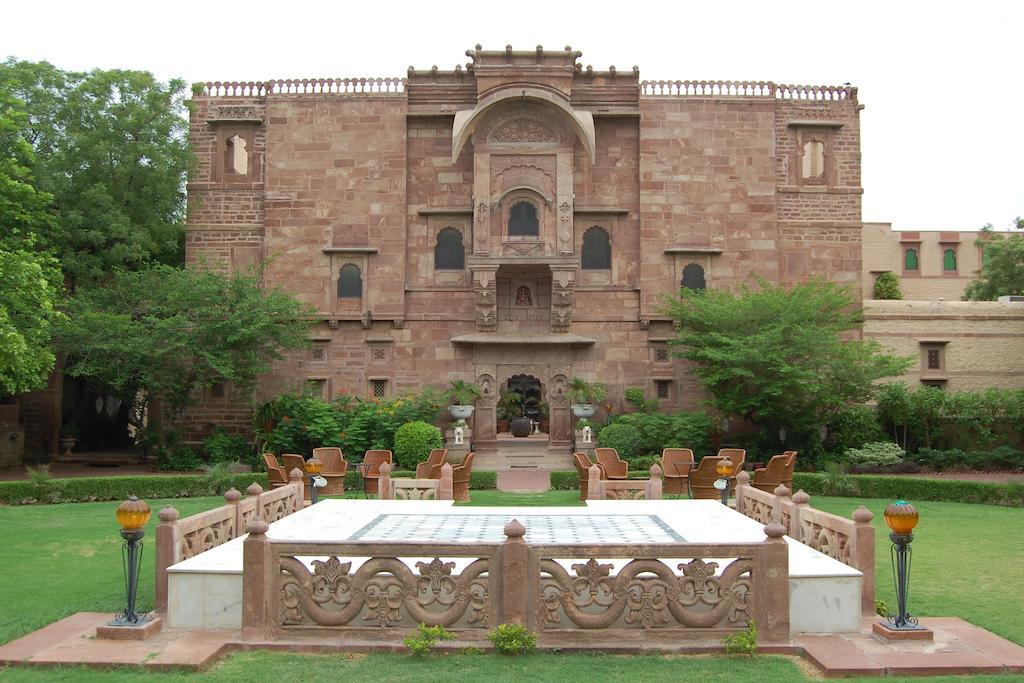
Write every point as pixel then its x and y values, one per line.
pixel 565 221
pixel 485 298
pixel 563 287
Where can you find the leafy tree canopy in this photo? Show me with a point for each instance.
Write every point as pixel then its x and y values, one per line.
pixel 166 333
pixel 1002 272
pixel 111 148
pixel 780 357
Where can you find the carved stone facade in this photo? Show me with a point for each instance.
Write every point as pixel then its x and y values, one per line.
pixel 520 154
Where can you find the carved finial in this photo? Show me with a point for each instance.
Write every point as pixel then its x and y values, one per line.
pixel 636 70
pixel 611 69
pixel 257 527
pixel 515 529
pixel 232 495
pixel 774 530
pixel 411 70
pixel 655 471
pixel 385 469
pixel 479 46
pixel 862 515
pixel 168 514
pixel 743 478
pixel 781 490
pixel 433 70
pixel 590 69
pixel 254 489
pixel 295 474
pixel 801 497
pixel 568 48
pixel 458 68
pixel 540 50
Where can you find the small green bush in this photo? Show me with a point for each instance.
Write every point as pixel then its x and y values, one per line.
pixel 917 488
pixel 742 643
pixel 852 427
pixel 414 441
pixel 425 637
pixel 483 481
pixel 178 459
pixel 223 447
pixel 624 438
pixel 836 482
pixel 512 639
pixel 887 286
pixel 641 465
pixel 89 489
pixel 564 480
pixel 876 454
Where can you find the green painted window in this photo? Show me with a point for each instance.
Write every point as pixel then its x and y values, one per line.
pixel 949 259
pixel 910 259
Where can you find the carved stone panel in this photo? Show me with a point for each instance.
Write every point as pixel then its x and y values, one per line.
pixel 485 299
pixel 563 287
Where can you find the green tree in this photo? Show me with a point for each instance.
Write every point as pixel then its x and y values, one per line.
pixel 166 333
pixel 780 358
pixel 887 286
pixel 112 150
pixel 1002 271
pixel 29 278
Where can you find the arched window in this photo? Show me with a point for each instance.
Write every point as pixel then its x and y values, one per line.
pixel 949 260
pixel 523 220
pixel 814 159
pixel 350 282
pixel 449 253
pixel 693 277
pixel 597 249
pixel 910 259
pixel 237 156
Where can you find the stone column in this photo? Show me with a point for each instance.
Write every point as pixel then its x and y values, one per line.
pixel 864 557
pixel 781 494
pixel 256 582
pixel 167 543
pixel 299 486
pixel 231 497
pixel 384 490
pixel 514 558
pixel 771 587
pixel 742 482
pixel 445 491
pixel 595 488
pixel 800 503
pixel 654 484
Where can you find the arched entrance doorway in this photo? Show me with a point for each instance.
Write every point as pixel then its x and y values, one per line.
pixel 532 402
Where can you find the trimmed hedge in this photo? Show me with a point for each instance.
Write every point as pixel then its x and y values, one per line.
pixel 566 480
pixel 916 488
pixel 478 481
pixel 90 489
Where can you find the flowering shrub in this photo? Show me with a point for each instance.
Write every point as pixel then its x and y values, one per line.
pixel 350 423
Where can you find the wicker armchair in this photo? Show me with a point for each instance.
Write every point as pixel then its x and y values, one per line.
pixel 334 469
pixel 582 464
pixel 294 461
pixel 703 477
pixel 460 478
pixel 612 466
pixel 769 477
pixel 374 458
pixel 434 459
pixel 275 472
pixel 676 464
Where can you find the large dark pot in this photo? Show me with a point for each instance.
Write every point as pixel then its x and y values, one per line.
pixel 521 426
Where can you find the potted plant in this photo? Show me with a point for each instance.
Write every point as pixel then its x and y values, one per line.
pixel 543 410
pixel 461 395
pixel 584 396
pixel 69 434
pixel 510 406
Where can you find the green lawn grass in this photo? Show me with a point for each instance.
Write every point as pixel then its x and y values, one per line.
pixel 61 559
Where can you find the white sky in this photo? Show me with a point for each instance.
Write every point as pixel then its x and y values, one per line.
pixel 942 131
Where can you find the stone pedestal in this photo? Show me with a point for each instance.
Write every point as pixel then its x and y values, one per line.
pixel 891 635
pixel 458 451
pixel 140 632
pixel 582 446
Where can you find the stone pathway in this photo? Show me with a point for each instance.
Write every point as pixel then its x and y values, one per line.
pixel 959 648
pixel 525 480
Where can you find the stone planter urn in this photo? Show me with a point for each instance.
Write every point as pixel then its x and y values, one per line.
pixel 461 412
pixel 521 426
pixel 67 443
pixel 582 410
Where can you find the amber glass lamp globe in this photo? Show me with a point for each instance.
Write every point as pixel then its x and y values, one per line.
pixel 724 467
pixel 901 517
pixel 313 466
pixel 133 514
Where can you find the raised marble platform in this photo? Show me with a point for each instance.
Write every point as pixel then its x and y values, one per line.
pixel 205 592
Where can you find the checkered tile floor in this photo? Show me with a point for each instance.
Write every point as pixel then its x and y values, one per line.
pixel 470 528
